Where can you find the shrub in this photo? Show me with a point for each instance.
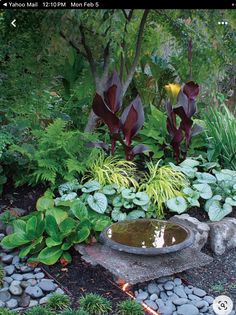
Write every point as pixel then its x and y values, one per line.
pixel 95 304
pixel 38 310
pixel 129 307
pixel 58 302
pixel 2 274
pixel 162 183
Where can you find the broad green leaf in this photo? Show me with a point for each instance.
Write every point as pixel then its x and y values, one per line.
pixel 109 190
pixel 52 227
pixel 19 226
pixel 128 204
pixel 205 178
pixel 100 224
pixel 177 204
pixel 49 256
pixel 51 243
pixel 189 163
pixel 91 186
pixel 217 212
pixel 211 201
pixel 79 209
pixel 231 201
pixel 117 215
pixel 44 203
pixel 66 245
pixel 27 249
pixel 59 214
pixel 117 202
pixel 135 214
pixel 128 193
pixel 141 199
pixel 82 235
pixel 98 202
pixel 69 187
pixel 66 227
pixel 66 257
pixel 204 190
pixel 31 226
pixel 14 240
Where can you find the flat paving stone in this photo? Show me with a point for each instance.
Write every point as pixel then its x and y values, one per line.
pixel 137 268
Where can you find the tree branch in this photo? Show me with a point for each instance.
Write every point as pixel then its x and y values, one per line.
pixel 72 44
pixel 137 53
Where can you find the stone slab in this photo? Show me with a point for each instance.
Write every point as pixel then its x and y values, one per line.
pixel 136 268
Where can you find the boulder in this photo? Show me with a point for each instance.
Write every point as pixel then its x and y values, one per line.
pixel 200 229
pixel 222 235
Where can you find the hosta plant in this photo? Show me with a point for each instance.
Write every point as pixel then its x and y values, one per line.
pixel 162 183
pixel 217 190
pixel 124 128
pixel 120 202
pixel 95 304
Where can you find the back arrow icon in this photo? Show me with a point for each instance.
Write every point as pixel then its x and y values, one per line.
pixel 13 23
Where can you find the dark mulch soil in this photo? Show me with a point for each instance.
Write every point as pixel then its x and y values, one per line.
pixel 80 277
pixel 217 278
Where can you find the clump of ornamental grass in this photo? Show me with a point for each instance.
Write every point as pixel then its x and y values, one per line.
pixel 95 304
pixel 2 275
pixel 162 183
pixel 112 170
pixel 6 311
pixel 74 312
pixel 39 310
pixel 129 307
pixel 58 302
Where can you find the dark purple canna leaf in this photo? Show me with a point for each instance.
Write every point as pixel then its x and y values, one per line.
pixel 102 111
pixel 98 144
pixel 132 119
pixel 112 94
pixel 188 105
pixel 131 152
pixel 196 130
pixel 191 89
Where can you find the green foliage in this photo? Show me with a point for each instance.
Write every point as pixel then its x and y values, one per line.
pixel 112 170
pixel 129 307
pixel 6 311
pixel 38 310
pixel 216 189
pixel 74 312
pixel 120 202
pixel 2 275
pixel 162 183
pixel 95 304
pixel 59 154
pixel 47 234
pixel 221 132
pixel 58 302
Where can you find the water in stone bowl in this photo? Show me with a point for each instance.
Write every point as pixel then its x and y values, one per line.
pixel 147 237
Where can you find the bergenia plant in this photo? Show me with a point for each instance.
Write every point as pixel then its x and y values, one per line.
pixel 184 109
pixel 125 128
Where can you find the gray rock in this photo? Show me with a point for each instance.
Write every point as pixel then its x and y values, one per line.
pixel 222 235
pixel 28 276
pixel 33 303
pixel 193 297
pixel 2 304
pixel 48 285
pixel 180 292
pixel 25 284
pixel 8 279
pixel 164 279
pixel 36 270
pixel 187 309
pixel 1 235
pixel 180 301
pixel 201 304
pixel 15 288
pixel 142 296
pixel 45 299
pixel 17 276
pixel 163 296
pixel 15 260
pixel 34 292
pixel 24 300
pixel 9 270
pixel 7 259
pixel 169 293
pixel 177 281
pixel 169 285
pixel 160 287
pixel 159 303
pixel 12 303
pixel 173 297
pixel 187 290
pixel 153 297
pixel 151 304
pixel 60 291
pixel 153 288
pixel 24 268
pixel 200 229
pixel 204 309
pixel 39 275
pixel 209 299
pixel 167 308
pixel 199 292
pixel 4 295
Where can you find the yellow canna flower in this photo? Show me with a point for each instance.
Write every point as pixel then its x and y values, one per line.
pixel 172 90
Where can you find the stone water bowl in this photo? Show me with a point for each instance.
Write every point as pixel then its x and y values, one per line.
pixel 147 237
